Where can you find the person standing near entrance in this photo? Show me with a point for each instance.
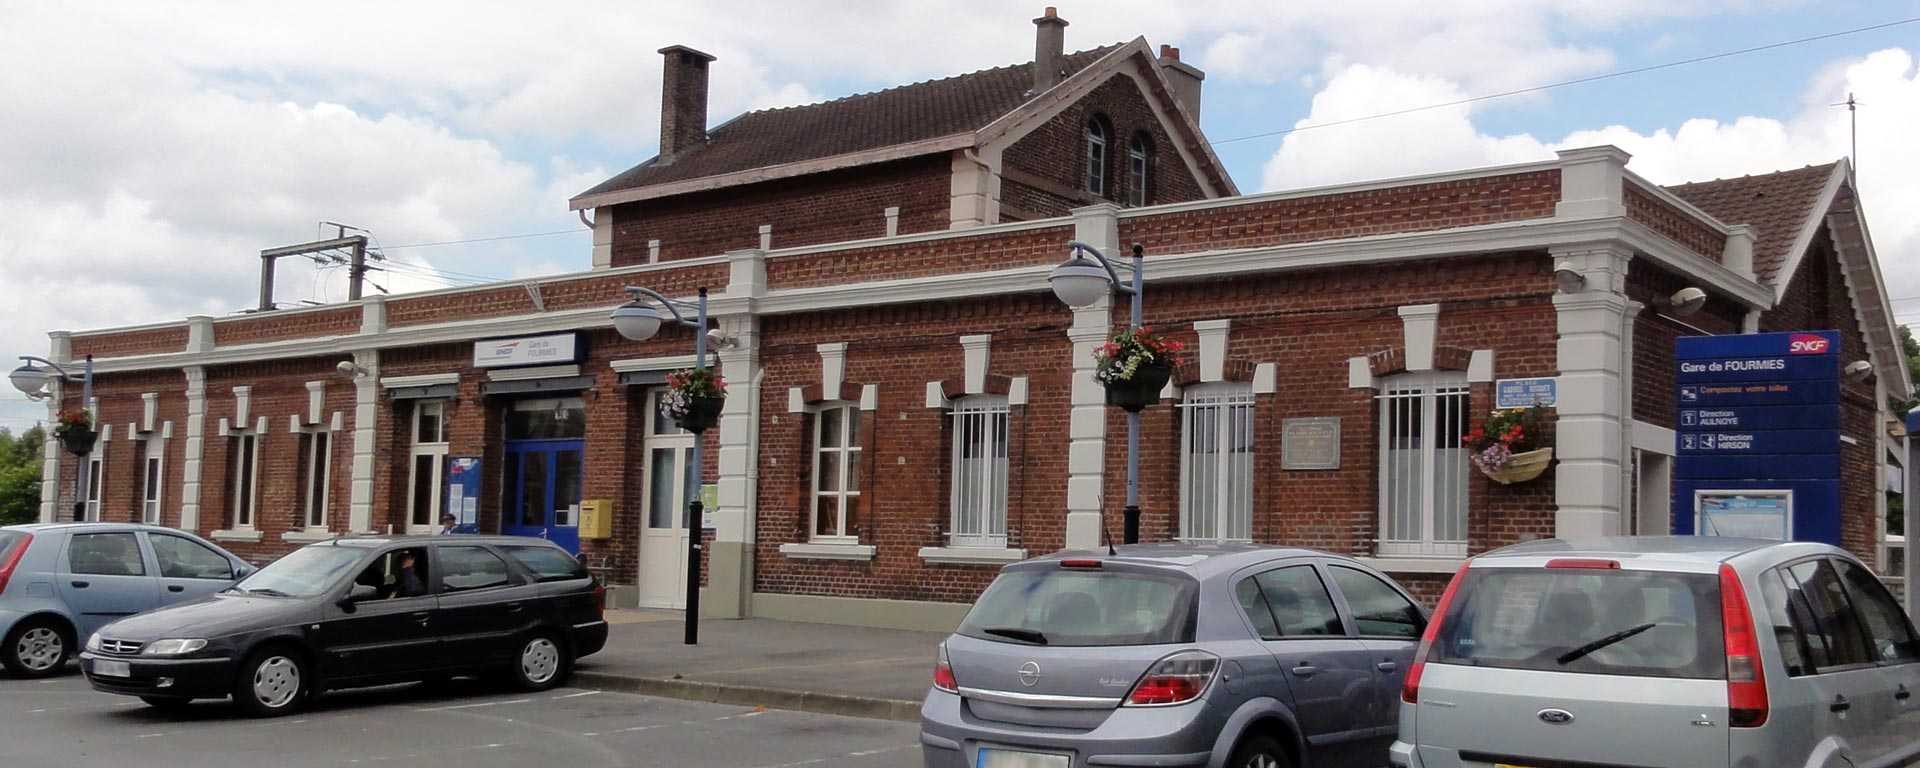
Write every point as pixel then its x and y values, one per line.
pixel 447 523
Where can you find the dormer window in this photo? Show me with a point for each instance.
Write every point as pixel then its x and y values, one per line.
pixel 1097 136
pixel 1139 152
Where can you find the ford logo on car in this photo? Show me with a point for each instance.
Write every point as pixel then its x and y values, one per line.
pixel 1555 716
pixel 1030 674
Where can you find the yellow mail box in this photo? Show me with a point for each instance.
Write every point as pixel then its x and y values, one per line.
pixel 596 519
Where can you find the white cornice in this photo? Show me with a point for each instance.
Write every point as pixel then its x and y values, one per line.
pixel 423 380
pixel 1685 262
pixel 666 363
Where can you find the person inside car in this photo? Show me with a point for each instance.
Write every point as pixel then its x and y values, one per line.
pixel 410 584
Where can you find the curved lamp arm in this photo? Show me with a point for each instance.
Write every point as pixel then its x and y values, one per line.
pixel 64 373
pixel 670 304
pixel 1122 286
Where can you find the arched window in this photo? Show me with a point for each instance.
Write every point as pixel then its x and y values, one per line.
pixel 1097 135
pixel 1139 167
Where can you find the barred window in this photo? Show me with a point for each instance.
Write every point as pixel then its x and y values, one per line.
pixel 979 493
pixel 1423 465
pixel 1216 463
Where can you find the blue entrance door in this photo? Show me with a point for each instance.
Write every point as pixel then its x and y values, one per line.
pixel 542 487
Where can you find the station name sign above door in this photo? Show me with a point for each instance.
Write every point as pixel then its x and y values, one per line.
pixel 552 349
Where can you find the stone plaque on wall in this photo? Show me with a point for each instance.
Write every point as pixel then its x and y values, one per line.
pixel 1310 443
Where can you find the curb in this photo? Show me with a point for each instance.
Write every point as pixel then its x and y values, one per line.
pixel 772 698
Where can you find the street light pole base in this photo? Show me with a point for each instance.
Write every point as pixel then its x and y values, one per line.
pixel 694 530
pixel 1130 522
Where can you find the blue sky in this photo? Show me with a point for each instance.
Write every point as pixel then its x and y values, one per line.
pixel 153 151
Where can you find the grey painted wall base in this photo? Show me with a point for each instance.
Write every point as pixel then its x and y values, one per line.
pixel 729 580
pixel 887 614
pixel 623 596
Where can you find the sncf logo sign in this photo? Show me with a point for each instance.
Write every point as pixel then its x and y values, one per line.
pixel 1808 344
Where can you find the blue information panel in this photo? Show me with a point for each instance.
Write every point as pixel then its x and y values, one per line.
pixel 463 494
pixel 1758 422
pixel 1526 393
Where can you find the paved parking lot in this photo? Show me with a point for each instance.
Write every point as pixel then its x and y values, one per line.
pixel 61 723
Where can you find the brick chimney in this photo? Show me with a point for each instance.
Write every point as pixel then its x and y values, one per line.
pixel 1049 47
pixel 683 101
pixel 1185 79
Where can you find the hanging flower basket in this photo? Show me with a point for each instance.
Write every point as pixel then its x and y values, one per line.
pixel 1507 448
pixel 694 399
pixel 75 431
pixel 1134 367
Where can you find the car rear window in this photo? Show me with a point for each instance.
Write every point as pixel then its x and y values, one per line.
pixel 547 563
pixel 1084 607
pixel 1591 621
pixel 9 540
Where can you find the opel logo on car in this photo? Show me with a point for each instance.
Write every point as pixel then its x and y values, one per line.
pixel 1555 716
pixel 1030 674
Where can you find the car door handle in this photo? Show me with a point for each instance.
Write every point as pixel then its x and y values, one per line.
pixel 422 616
pixel 81 584
pixel 1386 666
pixel 514 607
pixel 1840 704
pixel 1306 670
pixel 176 588
pixel 1903 694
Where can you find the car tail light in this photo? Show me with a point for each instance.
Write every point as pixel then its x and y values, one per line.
pixel 1080 564
pixel 1410 689
pixel 1574 562
pixel 1746 682
pixel 943 678
pixel 1176 679
pixel 600 595
pixel 13 560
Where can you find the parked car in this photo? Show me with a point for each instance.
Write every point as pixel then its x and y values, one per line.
pixel 60 582
pixel 1686 651
pixel 362 611
pixel 1174 655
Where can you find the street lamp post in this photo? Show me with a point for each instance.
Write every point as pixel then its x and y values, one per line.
pixel 1079 282
pixel 32 382
pixel 638 321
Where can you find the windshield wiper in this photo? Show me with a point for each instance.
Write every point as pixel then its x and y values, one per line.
pixel 1017 633
pixel 1580 652
pixel 269 592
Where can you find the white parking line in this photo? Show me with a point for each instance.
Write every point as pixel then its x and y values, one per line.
pixel 474 705
pixel 575 695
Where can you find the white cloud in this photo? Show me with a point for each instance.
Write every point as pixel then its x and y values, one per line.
pixel 1886 81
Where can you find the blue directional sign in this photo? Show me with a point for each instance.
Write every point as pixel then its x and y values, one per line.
pixel 1758 423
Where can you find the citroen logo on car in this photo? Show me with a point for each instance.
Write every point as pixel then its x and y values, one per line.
pixel 1030 674
pixel 1555 716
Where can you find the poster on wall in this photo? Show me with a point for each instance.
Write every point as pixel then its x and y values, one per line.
pixel 463 493
pixel 1757 422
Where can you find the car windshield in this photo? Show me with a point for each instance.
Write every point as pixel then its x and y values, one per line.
pixel 1082 607
pixel 1594 621
pixel 303 573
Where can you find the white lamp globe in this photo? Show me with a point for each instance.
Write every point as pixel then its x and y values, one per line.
pixel 28 379
pixel 636 321
pixel 1079 283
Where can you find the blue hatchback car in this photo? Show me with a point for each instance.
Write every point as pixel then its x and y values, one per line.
pixel 60 582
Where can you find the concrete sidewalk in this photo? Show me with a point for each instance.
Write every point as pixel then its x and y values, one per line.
pixel 825 668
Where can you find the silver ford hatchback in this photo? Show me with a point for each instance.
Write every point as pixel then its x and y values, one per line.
pixel 1683 651
pixel 1174 655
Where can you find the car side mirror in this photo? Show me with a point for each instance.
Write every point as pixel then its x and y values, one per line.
pixel 359 594
pixel 241 572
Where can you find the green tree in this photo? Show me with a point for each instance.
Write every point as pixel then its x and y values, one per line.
pixel 20 463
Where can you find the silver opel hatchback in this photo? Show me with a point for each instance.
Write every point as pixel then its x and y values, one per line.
pixel 1683 651
pixel 1174 655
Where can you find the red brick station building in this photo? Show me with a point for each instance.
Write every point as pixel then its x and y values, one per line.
pixel 911 407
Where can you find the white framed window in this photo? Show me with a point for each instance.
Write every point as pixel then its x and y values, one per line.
pixel 979 471
pixel 1216 463
pixel 244 468
pixel 96 477
pixel 427 464
pixel 1423 465
pixel 1137 170
pixel 153 479
pixel 836 473
pixel 318 463
pixel 1097 155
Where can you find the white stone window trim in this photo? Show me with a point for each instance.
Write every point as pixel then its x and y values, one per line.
pixel 1428 387
pixel 312 468
pixel 979 411
pixel 971 555
pixel 438 451
pixel 850 451
pixel 817 550
pixel 1218 401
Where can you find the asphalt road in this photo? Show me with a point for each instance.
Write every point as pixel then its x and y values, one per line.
pixel 61 723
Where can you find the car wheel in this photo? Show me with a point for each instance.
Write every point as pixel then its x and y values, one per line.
pixel 542 663
pixel 166 703
pixel 1260 752
pixel 37 648
pixel 272 682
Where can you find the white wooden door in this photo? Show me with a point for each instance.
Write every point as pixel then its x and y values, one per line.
pixel 663 539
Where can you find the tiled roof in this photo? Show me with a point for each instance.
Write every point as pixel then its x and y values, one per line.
pixel 866 121
pixel 1776 204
